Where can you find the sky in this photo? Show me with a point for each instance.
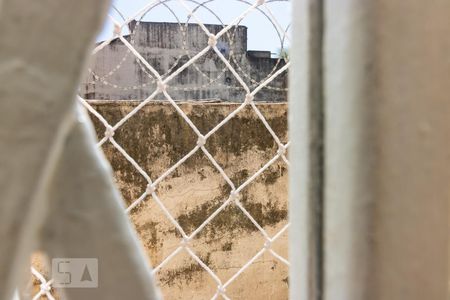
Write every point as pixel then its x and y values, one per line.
pixel 262 34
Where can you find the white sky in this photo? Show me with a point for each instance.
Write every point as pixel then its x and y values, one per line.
pixel 262 35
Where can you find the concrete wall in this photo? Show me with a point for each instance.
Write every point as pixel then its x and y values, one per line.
pixel 116 74
pixel 157 137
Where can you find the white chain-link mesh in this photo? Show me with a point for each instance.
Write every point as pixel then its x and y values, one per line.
pixel 163 84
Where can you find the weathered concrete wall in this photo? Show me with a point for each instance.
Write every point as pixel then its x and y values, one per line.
pixel 157 137
pixel 116 73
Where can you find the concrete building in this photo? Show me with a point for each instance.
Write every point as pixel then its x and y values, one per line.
pixel 116 74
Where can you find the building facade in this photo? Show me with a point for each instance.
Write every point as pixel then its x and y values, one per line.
pixel 116 74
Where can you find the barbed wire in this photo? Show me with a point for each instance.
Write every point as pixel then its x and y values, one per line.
pixel 267 13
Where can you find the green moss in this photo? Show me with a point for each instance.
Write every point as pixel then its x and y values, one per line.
pixel 239 177
pixel 273 173
pixel 150 230
pixel 186 273
pixel 162 132
pixel 231 218
pixel 227 246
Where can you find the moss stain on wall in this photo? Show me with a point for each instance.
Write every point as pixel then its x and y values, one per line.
pixel 156 138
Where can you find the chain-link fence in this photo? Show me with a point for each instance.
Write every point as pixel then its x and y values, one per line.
pixel 224 70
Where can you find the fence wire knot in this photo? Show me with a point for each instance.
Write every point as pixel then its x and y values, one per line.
pixel 221 289
pixel 201 141
pixel 45 287
pixel 260 2
pixel 267 244
pixel 162 87
pixel 109 132
pixel 185 242
pixel 117 29
pixel 281 150
pixel 150 189
pixel 249 98
pixel 212 41
pixel 234 196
